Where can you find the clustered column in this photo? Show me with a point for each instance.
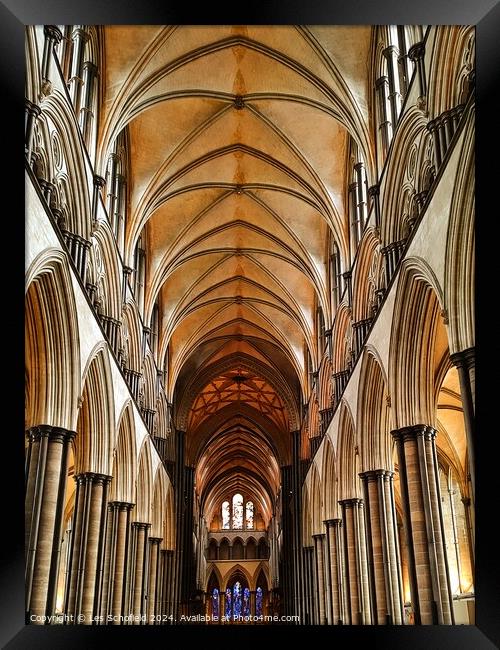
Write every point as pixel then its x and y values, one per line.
pixel 428 568
pixel 115 568
pixel 320 576
pixel 46 477
pixel 385 581
pixel 86 546
pixel 357 595
pixel 334 556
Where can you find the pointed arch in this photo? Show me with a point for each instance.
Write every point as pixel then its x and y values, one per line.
pixel 417 310
pixel 373 415
pixel 144 484
pixel 159 504
pixel 132 337
pixel 366 276
pixel 106 274
pixel 125 458
pixel 52 372
pixel 347 468
pixel 459 259
pixel 329 481
pixel 96 419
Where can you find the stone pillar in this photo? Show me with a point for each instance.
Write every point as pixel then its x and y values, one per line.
pixel 53 37
pixel 90 73
pixel 386 591
pixel 90 500
pixel 46 477
pixel 416 54
pixel 391 54
pixel 154 571
pixel 138 590
pixel 385 126
pixel 75 83
pixel 116 596
pixel 320 576
pixel 31 113
pixel 358 603
pixel 99 183
pixel 374 194
pixel 311 585
pixel 465 363
pixel 334 556
pixel 423 524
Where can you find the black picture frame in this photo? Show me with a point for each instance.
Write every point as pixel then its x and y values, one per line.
pixel 14 15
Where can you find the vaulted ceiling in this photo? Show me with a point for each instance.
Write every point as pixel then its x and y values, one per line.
pixel 238 144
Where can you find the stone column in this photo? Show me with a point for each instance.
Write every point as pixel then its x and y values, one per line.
pixel 90 500
pixel 358 603
pixel 32 112
pixel 46 477
pixel 423 524
pixel 118 576
pixel 99 183
pixel 75 83
pixel 90 73
pixel 374 194
pixel 320 576
pixel 465 363
pixel 53 37
pixel 139 565
pixel 416 54
pixel 154 553
pixel 385 125
pixel 381 535
pixel 391 54
pixel 334 556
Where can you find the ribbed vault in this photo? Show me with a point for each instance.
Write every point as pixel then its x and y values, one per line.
pixel 238 138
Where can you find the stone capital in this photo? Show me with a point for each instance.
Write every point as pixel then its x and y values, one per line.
pixel 53 32
pixel 413 432
pixel 351 503
pixel 416 52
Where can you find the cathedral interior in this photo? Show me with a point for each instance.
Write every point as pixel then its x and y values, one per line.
pixel 249 325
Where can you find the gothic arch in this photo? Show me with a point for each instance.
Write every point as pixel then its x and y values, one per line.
pixel 452 62
pixel 329 481
pixel 132 337
pixel 347 446
pixel 144 484
pixel 417 308
pixel 125 458
pixel 107 274
pixel 402 175
pixel 366 276
pixel 459 259
pixel 96 421
pixel 373 418
pixel 52 372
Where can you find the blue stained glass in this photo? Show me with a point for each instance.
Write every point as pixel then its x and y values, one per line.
pixel 258 602
pixel 229 603
pixel 215 602
pixel 246 602
pixel 237 599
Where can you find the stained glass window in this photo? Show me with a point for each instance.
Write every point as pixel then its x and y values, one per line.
pixel 246 602
pixel 258 602
pixel 249 514
pixel 237 599
pixel 229 603
pixel 237 511
pixel 226 516
pixel 215 602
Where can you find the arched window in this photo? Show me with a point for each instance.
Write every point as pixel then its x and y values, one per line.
pixel 335 274
pixel 237 511
pixel 246 601
pixel 116 187
pixel 226 516
pixel 357 194
pixel 215 603
pixel 258 601
pixel 249 514
pixel 237 599
pixel 140 273
pixel 229 603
